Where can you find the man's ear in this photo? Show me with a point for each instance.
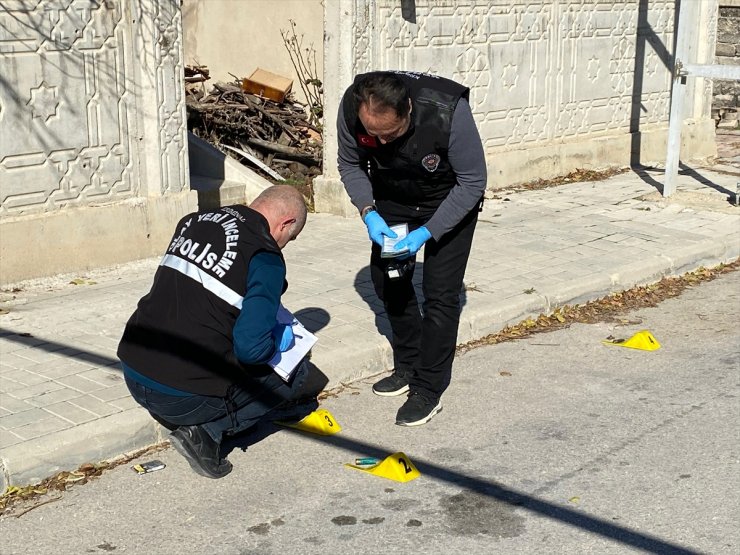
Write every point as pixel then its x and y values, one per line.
pixel 287 223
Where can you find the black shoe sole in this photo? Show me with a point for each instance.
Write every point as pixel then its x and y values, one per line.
pixel 181 448
pixel 395 393
pixel 424 420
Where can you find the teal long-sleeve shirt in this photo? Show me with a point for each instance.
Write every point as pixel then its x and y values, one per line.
pixel 253 339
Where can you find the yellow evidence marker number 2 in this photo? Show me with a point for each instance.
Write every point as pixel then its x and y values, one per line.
pixel 405 464
pixel 395 467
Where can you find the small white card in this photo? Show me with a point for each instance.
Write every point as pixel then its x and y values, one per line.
pixel 389 244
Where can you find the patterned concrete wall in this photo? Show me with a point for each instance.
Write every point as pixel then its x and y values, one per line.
pixel 552 83
pixel 91 114
pixel 537 71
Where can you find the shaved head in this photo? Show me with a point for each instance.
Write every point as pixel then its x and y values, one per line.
pixel 285 211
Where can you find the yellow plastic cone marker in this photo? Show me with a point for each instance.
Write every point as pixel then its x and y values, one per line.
pixel 395 467
pixel 643 340
pixel 318 422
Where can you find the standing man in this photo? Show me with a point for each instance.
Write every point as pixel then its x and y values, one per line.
pixel 409 152
pixel 195 351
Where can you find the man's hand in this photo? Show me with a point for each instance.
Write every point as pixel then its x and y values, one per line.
pixel 413 241
pixel 376 228
pixel 284 337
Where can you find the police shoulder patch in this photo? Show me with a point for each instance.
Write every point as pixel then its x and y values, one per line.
pixel 430 162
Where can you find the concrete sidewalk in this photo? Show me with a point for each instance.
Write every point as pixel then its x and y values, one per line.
pixel 62 397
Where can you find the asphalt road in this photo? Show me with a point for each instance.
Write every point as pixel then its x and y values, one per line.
pixel 553 444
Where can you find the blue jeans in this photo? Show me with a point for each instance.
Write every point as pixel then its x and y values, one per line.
pixel 239 410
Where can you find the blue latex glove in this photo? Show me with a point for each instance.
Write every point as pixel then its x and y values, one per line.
pixel 376 228
pixel 413 241
pixel 284 337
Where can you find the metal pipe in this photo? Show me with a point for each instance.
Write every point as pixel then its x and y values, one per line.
pixel 717 71
pixel 678 93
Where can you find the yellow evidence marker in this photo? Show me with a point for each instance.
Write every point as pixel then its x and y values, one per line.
pixel 318 422
pixel 395 467
pixel 643 340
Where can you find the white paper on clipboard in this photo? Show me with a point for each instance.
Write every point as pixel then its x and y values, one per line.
pixel 285 364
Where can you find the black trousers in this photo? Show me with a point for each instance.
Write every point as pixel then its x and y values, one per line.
pixel 424 342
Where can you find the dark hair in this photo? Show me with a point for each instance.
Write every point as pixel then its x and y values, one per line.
pixel 384 89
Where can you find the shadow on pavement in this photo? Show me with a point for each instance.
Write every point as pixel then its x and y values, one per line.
pixel 643 172
pixel 54 347
pixel 491 489
pixel 313 318
pixel 699 178
pixel 365 289
pixel 487 488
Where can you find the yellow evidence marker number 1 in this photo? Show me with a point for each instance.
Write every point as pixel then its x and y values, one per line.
pixel 642 340
pixel 395 467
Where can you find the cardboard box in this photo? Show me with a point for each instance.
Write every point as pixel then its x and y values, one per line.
pixel 268 85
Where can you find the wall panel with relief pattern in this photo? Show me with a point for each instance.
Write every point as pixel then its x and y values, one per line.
pixel 538 71
pixel 74 95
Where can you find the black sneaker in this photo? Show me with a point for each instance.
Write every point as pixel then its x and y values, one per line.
pixel 390 386
pixel 418 409
pixel 201 451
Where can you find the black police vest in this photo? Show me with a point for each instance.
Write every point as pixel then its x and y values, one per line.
pixel 181 333
pixel 413 169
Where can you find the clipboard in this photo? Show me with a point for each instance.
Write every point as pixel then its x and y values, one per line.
pixel 285 364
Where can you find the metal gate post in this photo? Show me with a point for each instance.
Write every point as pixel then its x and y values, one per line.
pixel 682 70
pixel 674 133
pixel 678 93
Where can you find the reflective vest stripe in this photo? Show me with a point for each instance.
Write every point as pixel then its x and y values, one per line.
pixel 209 282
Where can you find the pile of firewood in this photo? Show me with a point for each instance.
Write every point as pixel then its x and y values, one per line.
pixel 273 138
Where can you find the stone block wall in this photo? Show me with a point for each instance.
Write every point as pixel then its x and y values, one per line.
pixel 726 94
